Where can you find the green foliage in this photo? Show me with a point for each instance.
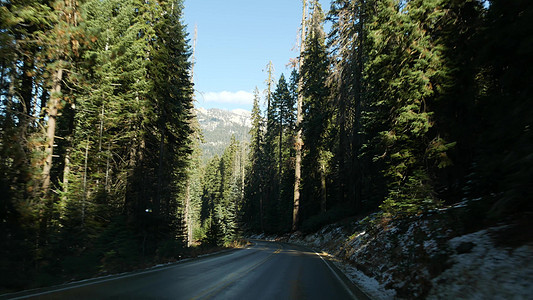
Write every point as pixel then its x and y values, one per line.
pixel 425 104
pixel 415 104
pixel 269 176
pixel 121 141
pixel 118 246
pixel 412 195
pixel 170 249
pixel 222 196
pixel 314 223
pixel 502 163
pixel 316 127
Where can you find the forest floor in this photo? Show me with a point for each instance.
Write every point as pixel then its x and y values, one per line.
pixel 442 254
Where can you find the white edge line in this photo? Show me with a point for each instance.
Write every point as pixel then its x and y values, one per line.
pixel 96 281
pixel 337 276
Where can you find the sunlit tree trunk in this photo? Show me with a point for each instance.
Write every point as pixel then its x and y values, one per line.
pixel 53 104
pixel 187 217
pixel 299 140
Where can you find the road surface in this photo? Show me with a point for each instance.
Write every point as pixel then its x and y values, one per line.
pixel 266 270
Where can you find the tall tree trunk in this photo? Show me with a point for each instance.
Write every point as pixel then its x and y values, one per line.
pixel 261 212
pixel 53 104
pixel 159 195
pixel 9 124
pixel 66 172
pixel 243 153
pixel 26 93
pixel 323 191
pixel 356 137
pixel 299 140
pixel 270 70
pixel 280 148
pixel 188 218
pixel 84 198
pixel 10 95
pixel 107 189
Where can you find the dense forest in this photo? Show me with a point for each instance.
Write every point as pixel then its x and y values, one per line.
pixel 404 106
pixel 96 136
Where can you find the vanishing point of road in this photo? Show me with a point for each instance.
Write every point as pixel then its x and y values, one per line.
pixel 266 270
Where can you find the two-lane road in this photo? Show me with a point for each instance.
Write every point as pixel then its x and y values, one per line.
pixel 267 270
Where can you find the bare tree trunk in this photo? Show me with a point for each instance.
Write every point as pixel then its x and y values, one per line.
pixel 159 195
pixel 8 117
pixel 25 92
pixel 243 153
pixel 193 57
pixel 270 70
pixel 9 98
pixel 357 193
pixel 280 148
pixel 299 141
pixel 51 129
pixel 187 212
pixel 84 198
pixel 101 131
pixel 66 171
pixel 323 202
pixel 107 167
pixel 261 212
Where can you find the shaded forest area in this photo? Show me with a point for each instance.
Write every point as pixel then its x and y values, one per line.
pixel 406 106
pixel 403 107
pixel 96 136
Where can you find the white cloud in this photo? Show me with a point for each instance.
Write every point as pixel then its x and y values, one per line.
pixel 240 97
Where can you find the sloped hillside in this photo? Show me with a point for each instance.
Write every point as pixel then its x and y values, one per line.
pixel 437 255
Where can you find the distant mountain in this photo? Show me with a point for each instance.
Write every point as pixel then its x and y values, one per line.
pixel 219 125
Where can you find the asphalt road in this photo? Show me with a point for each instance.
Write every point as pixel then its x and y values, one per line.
pixel 267 270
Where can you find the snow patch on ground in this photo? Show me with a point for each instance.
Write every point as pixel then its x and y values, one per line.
pixel 485 271
pixel 430 256
pixel 369 285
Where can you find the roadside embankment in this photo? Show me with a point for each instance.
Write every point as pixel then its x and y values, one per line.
pixel 437 255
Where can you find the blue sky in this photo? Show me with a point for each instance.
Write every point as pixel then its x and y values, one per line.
pixel 236 40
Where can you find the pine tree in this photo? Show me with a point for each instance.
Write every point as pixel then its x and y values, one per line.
pixel 221 196
pixel 316 108
pixel 171 73
pixel 21 79
pixel 104 87
pixel 283 122
pixel 133 106
pixel 298 141
pixel 62 46
pixel 408 90
pixel 347 43
pixel 502 167
pixel 253 214
pixel 281 109
pixel 270 181
pixel 456 115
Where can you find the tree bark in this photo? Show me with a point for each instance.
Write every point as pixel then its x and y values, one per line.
pixel 187 212
pixel 53 104
pixel 323 191
pixel 299 141
pixel 66 172
pixel 84 198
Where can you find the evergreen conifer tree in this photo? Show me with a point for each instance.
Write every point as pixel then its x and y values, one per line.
pixel 316 108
